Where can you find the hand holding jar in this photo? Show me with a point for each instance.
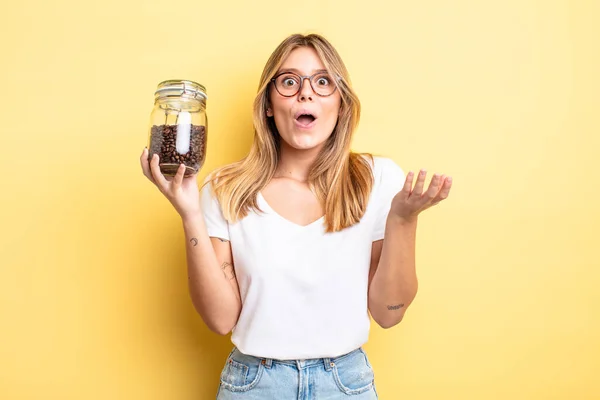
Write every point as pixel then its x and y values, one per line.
pixel 177 143
pixel 181 191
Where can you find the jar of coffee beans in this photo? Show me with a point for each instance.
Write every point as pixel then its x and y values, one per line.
pixel 178 126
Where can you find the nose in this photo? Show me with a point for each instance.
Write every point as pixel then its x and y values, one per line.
pixel 306 93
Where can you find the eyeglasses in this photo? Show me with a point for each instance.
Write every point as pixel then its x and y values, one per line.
pixel 288 84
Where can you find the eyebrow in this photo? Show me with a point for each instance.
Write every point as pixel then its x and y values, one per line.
pixel 315 71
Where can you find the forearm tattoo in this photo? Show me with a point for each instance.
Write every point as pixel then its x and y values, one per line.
pixel 228 270
pixel 194 241
pixel 395 307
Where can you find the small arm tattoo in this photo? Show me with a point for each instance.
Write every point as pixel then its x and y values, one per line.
pixel 223 240
pixel 395 307
pixel 194 241
pixel 228 270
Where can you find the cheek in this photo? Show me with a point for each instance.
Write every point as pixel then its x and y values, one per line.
pixel 334 110
pixel 280 115
pixel 280 106
pixel 335 102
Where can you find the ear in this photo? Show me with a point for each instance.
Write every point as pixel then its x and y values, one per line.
pixel 269 112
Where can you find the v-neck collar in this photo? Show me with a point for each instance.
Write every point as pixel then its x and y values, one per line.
pixel 264 204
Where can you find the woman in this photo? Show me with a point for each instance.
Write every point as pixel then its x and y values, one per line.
pixel 293 246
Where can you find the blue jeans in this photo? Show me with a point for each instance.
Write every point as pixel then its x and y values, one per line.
pixel 349 376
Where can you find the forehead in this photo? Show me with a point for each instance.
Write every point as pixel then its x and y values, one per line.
pixel 304 59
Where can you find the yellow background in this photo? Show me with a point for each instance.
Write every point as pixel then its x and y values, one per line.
pixel 502 95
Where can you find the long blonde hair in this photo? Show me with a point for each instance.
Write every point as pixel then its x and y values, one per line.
pixel 341 179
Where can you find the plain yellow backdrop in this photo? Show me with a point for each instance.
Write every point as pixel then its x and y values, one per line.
pixel 501 95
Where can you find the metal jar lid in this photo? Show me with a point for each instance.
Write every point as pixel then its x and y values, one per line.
pixel 181 88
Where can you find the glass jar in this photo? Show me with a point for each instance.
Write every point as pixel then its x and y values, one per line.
pixel 178 126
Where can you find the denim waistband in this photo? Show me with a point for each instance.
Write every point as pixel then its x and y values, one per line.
pixel 327 362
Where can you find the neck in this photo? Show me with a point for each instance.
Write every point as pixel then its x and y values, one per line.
pixel 295 164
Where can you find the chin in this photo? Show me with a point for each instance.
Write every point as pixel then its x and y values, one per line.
pixel 304 142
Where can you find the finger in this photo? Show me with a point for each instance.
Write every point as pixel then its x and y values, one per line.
pixel 146 165
pixel 178 178
pixel 445 191
pixel 441 183
pixel 446 187
pixel 159 178
pixel 408 182
pixel 434 187
pixel 418 190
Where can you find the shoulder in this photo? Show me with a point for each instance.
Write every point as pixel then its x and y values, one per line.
pixel 210 181
pixel 384 169
pixel 388 178
pixel 217 181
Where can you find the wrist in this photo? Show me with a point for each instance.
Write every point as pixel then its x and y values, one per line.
pixel 192 217
pixel 394 219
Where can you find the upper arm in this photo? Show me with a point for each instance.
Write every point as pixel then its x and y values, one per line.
pixel 224 256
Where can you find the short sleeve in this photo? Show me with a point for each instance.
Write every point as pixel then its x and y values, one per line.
pixel 389 180
pixel 216 224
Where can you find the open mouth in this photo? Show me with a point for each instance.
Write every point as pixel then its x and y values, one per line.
pixel 305 119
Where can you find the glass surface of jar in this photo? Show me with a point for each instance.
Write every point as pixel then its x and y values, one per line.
pixel 178 126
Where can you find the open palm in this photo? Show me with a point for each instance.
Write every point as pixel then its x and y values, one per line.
pixel 409 202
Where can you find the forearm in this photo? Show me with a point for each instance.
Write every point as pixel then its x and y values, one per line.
pixel 209 286
pixel 394 285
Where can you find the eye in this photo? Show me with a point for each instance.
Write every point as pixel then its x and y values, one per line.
pixel 287 81
pixel 323 80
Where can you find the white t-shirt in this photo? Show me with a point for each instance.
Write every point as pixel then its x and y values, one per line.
pixel 304 291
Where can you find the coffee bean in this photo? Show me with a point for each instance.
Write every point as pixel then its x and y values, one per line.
pixel 163 141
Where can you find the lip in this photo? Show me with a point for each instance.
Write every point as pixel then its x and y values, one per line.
pixel 309 126
pixel 304 111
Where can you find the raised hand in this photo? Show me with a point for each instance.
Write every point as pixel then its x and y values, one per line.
pixel 409 202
